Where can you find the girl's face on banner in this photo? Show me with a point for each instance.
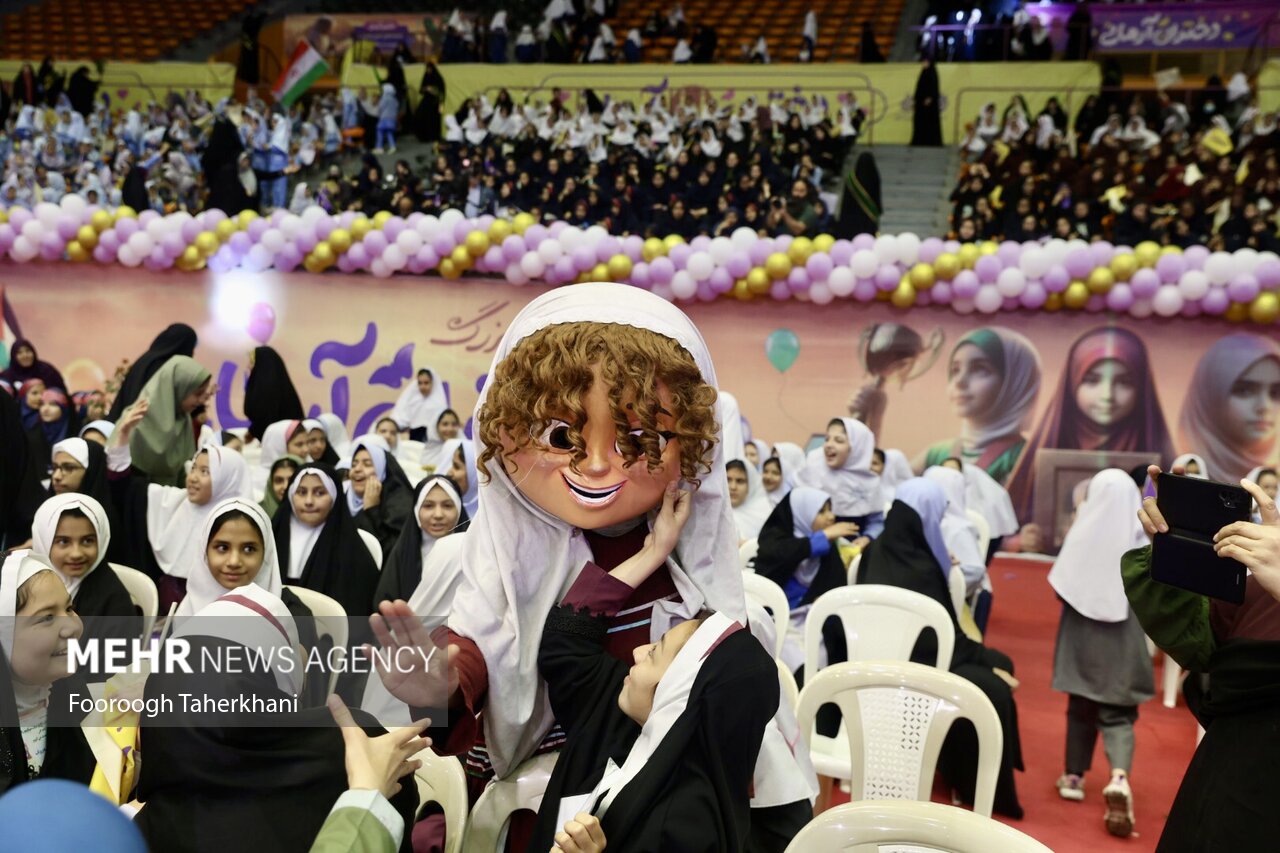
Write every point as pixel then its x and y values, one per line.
pixel 1253 404
pixel 602 490
pixel 1107 394
pixel 972 382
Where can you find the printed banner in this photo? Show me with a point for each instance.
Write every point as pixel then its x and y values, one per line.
pixel 1180 26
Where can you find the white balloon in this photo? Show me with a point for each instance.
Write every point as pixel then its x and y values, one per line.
pixel 272 240
pixel 24 249
pixel 291 226
pixel 988 299
pixel 257 259
pixel 886 248
pixel 721 249
pixel 516 275
pixel 1055 251
pixel 428 226
pixel 1219 267
pixel 532 264
pixel 48 213
pixel 683 286
pixel 1141 308
pixel 142 243
pixel 1244 260
pixel 126 255
pixel 864 263
pixel 572 238
pixel 841 281
pixel 409 241
pixel 596 233
pixel 820 294
pixel 550 251
pixel 1033 262
pixel 33 230
pixel 700 266
pixel 313 214
pixel 394 257
pixel 743 237
pixel 451 217
pixel 157 228
pixel 379 268
pixel 908 249
pixel 1168 301
pixel 1010 282
pixel 73 204
pixel 1193 285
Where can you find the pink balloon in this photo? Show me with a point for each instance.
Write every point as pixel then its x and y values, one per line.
pixel 863 241
pixel 721 280
pixel 513 248
pixel 779 291
pixel 1191 309
pixel 661 270
pixel 1120 297
pixel 987 268
pixel 1171 267
pixel 865 290
pixel 1216 301
pixel 841 253
pixel 819 266
pixel 798 279
pixel 640 275
pixel 887 277
pixel 1056 279
pixel 738 265
pixel 1144 283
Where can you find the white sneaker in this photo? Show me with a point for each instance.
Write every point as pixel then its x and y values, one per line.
pixel 1119 797
pixel 391 150
pixel 378 151
pixel 1071 787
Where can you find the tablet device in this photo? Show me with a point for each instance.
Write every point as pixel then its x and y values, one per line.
pixel 1195 510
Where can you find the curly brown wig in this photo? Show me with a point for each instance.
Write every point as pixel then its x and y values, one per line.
pixel 548 374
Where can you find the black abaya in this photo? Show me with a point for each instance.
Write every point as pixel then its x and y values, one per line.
pixel 926 126
pixel 860 205
pixel 178 339
pixel 402 563
pixel 391 516
pixel 431 92
pixel 21 492
pixel 269 395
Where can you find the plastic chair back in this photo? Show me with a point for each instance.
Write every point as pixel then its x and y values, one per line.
pixel 142 590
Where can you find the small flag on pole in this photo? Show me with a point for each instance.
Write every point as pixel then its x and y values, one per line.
pixel 306 66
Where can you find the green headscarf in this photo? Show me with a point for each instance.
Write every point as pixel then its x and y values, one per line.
pixel 164 440
pixel 269 503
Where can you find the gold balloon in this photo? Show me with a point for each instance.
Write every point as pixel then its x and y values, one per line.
pixel 619 268
pixel 340 239
pixel 823 243
pixel 1100 280
pixel 988 247
pixel 800 250
pixel 246 216
pixel 4 216
pixel 758 280
pixel 124 211
pixel 461 257
pixel 1170 250
pixel 360 226
pixel 1265 308
pixel 947 266
pixel 921 277
pixel 672 240
pixel 885 295
pixel 1147 253
pixel 499 230
pixel 522 222
pixel 225 229
pixel 1053 302
pixel 101 221
pixel 190 256
pixel 87 237
pixel 653 248
pixel 968 255
pixel 904 295
pixel 448 269
pixel 380 218
pixel 76 252
pixel 324 254
pixel 1122 267
pixel 310 264
pixel 1076 294
pixel 741 289
pixel 777 265
pixel 1238 312
pixel 477 243
pixel 600 272
pixel 207 243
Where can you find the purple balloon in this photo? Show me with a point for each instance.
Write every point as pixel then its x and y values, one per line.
pixel 534 235
pixel 679 254
pixel 567 269
pixel 240 241
pixel 1195 256
pixel 494 258
pixel 633 246
pixel 191 228
pixel 1008 253
pixel 483 223
pixel 706 293
pixel 324 227
pixel 1102 252
pixel 887 277
pixel 700 243
pixel 306 240
pixel 1033 295
pixel 583 259
pixel 429 259
pixel 930 248
pixel 1078 263
pixel 1191 309
pixel 1056 279
pixel 444 243
pixel 1243 288
pixel 110 239
pixel 376 243
pixel 1216 301
pixel 551 277
pixel 461 229
pixel 20 216
pixel 126 228
pixel 359 254
pixel 760 250
pixel 1096 303
pixel 51 251
pixel 1267 273
pixel 640 275
pixel 513 248
pixel 721 280
pixel 1009 303
pixel 103 255
pixel 557 228
pixel 1171 267
pixel 607 248
pixel 213 217
pixel 782 242
pixel 52 244
pixel 965 285
pixel 779 291
pixel 739 264
pixel 863 241
pixel 798 279
pixel 346 218
pixel 941 293
pixel 1120 297
pixel 841 253
pixel 951 246
pixel 146 217
pixel 661 270
pixel 67 227
pixel 7 236
pixel 1145 282
pixel 393 228
pixel 987 268
pixel 923 299
pixel 865 290
pixel 819 266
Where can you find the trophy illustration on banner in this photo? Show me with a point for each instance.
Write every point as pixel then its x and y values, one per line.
pixel 890 351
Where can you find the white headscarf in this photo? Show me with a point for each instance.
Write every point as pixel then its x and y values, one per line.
pixel 414 410
pixel 336 430
pixel 256 619
pixel 731 437
pixel 76 448
pixel 762 451
pixel 990 499
pixel 471 497
pixel 854 490
pixel 897 470
pixel 1019 365
pixel 275 446
pixel 503 602
pixel 791 457
pixel 750 515
pixel 104 427
pixel 202 586
pixel 1087 571
pixel 1187 458
pixel 958 532
pixel 171 517
pixel 806 503
pixel 32 701
pixel 302 536
pixel 429 542
pixel 378 453
pixel 280 134
pixel 45 527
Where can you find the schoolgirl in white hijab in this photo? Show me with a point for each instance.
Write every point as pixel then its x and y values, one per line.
pixel 854 489
pixel 750 515
pixel 172 516
pixel 958 532
pixel 415 410
pixel 897 470
pixel 791 460
pixel 202 587
pixel 465 475
pixel 44 532
pixel 1187 459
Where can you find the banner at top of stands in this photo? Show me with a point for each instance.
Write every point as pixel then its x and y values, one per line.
pixel 135 84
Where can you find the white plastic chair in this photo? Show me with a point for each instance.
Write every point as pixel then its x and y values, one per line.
pixel 747 552
pixel 375 547
pixel 853 569
pixel 142 590
pixel 442 780
pixel 983 528
pixel 1172 676
pixel 956 586
pixel 770 596
pixel 523 789
pixel 897 715
pixel 865 827
pixel 331 621
pixel 790 690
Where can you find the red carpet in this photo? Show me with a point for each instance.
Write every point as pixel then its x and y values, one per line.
pixel 1024 623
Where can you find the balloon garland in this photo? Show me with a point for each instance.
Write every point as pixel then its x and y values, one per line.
pixel 903 269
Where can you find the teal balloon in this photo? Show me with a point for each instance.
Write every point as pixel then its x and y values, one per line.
pixel 783 348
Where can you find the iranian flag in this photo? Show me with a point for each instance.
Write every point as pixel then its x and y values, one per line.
pixel 306 66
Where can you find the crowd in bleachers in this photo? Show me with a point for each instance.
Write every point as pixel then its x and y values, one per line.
pixel 1127 168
